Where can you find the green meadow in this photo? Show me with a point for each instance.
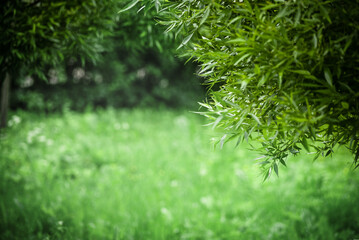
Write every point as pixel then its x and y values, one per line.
pixel 155 174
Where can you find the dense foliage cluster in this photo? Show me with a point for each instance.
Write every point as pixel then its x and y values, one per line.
pixel 43 31
pixel 281 72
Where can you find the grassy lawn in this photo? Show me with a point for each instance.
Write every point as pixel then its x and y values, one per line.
pixel 145 174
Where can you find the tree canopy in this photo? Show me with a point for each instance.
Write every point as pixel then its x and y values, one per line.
pixel 281 73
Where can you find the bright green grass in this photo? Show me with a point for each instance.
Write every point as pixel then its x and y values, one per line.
pixel 145 174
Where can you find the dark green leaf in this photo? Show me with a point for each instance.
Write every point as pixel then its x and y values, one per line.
pixel 275 167
pixel 282 162
pixel 305 143
pixel 328 76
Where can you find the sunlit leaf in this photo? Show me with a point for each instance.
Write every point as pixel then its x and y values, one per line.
pixel 129 6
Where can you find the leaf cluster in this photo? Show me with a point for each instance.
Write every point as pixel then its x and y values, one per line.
pixel 138 31
pixel 283 73
pixel 44 31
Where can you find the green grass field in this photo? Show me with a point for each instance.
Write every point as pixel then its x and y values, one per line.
pixel 146 174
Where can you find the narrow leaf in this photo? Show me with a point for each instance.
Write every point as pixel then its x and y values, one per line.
pixel 242 58
pixel 255 118
pixel 205 15
pixel 284 12
pixel 223 140
pixel 238 141
pixel 305 144
pixel 275 167
pixel 328 76
pixel 324 11
pixel 186 40
pixel 316 156
pixel 237 40
pixel 283 162
pixel 263 163
pixel 157 5
pixel 217 121
pixel 356 156
pixel 129 6
pixel 302 72
pixel 328 152
pixel 269 171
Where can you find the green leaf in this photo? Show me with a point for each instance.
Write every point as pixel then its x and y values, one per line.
pixel 264 162
pixel 129 6
pixel 157 5
pixel 316 156
pixel 223 140
pixel 284 12
pixel 237 40
pixel 173 25
pixel 238 141
pixel 217 121
pixel 315 40
pixel 302 72
pixel 270 6
pixel 186 40
pixel 345 105
pixel 268 174
pixel 324 11
pixel 328 76
pixel 330 151
pixel 275 167
pixel 205 15
pixel 305 143
pixel 255 118
pixel 242 58
pixel 282 162
pixel 356 156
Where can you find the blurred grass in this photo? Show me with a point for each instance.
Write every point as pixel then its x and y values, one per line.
pixel 146 174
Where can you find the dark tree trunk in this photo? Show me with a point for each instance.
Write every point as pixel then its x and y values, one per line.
pixel 5 93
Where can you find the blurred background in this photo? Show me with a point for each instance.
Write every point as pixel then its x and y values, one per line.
pixel 111 149
pixel 138 66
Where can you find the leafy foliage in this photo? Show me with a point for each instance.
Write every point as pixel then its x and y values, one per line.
pixel 283 73
pixel 35 32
